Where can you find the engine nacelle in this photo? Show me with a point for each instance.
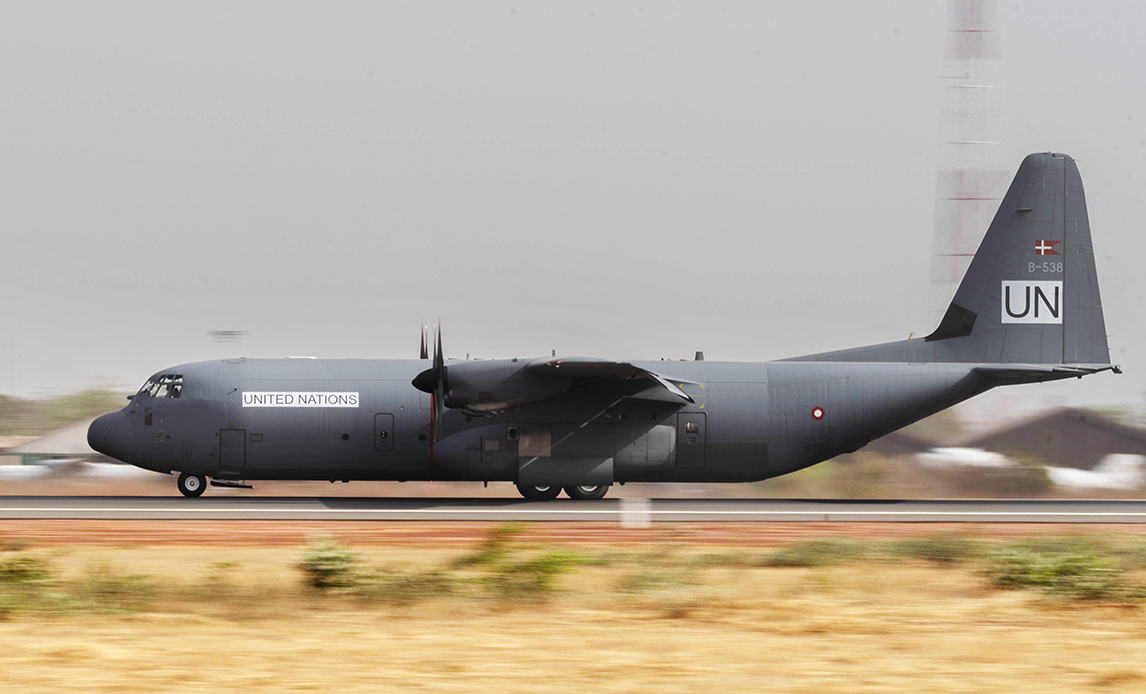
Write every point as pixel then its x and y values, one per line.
pixel 486 387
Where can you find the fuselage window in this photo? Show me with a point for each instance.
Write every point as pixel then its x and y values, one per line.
pixel 165 386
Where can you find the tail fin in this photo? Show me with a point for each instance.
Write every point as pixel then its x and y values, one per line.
pixel 1030 294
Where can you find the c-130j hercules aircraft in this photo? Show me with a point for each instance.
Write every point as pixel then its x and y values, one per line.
pixel 1028 310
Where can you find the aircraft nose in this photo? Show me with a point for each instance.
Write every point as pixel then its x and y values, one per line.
pixel 105 435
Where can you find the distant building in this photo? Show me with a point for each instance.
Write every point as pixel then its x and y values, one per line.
pixel 1067 437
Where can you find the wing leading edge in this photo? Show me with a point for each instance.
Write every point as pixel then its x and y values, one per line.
pixel 498 385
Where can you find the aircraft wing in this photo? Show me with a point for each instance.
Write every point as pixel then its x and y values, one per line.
pixel 605 370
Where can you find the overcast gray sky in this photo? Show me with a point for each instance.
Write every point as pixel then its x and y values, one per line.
pixel 629 180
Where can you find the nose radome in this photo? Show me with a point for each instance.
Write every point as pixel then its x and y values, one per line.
pixel 103 435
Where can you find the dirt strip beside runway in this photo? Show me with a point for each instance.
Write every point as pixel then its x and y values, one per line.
pixel 462 533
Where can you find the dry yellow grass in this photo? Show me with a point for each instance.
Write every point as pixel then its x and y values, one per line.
pixel 860 627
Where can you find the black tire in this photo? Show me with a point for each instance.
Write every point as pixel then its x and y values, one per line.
pixel 191 485
pixel 539 493
pixel 587 493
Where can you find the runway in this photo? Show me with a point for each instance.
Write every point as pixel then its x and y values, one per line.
pixel 627 511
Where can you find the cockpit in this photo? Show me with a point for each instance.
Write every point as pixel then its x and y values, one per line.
pixel 164 386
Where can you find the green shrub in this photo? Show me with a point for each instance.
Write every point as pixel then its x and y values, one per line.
pixel 1132 554
pixel 1071 574
pixel 509 569
pixel 737 559
pixel 328 564
pixel 940 549
pixel 496 546
pixel 650 578
pixel 533 575
pixel 105 589
pixel 816 553
pixel 1059 544
pixel 403 587
pixel 24 569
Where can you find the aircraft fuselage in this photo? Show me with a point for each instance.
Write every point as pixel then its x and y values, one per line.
pixel 363 420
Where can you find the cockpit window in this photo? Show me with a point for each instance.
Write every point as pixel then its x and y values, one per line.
pixel 165 386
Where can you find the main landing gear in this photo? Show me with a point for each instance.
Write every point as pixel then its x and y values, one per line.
pixel 581 493
pixel 587 493
pixel 191 485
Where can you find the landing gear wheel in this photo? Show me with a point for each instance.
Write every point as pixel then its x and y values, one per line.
pixel 192 485
pixel 587 493
pixel 539 493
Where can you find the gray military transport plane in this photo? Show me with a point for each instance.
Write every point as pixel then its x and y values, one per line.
pixel 1028 311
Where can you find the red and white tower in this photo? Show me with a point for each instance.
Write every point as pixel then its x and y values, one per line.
pixel 973 172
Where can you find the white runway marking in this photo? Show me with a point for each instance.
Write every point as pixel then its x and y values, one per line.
pixel 663 510
pixel 579 512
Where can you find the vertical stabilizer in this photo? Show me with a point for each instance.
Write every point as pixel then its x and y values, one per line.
pixel 1030 294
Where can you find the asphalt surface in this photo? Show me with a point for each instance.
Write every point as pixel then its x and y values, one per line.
pixel 626 511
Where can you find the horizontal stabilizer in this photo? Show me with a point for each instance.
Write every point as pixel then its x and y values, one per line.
pixel 1034 373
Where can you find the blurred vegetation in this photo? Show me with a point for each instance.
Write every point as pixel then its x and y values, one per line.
pixel 1080 573
pixel 1080 568
pixel 333 568
pixel 818 553
pixel 1028 480
pixel 20 417
pixel 867 475
pixel 864 475
pixel 937 549
pixel 667 576
pixel 662 568
pixel 328 564
pixel 508 568
pixel 31 583
pixel 942 427
pixel 501 567
pixel 944 549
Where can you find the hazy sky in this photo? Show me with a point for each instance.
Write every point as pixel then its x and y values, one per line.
pixel 629 180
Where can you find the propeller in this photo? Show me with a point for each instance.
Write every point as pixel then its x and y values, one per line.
pixel 434 381
pixel 425 354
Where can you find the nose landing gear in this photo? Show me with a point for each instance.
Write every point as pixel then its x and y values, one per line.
pixel 191 485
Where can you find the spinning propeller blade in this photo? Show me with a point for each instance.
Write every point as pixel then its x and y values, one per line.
pixel 439 396
pixel 434 381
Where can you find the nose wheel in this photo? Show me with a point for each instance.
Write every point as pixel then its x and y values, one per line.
pixel 191 485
